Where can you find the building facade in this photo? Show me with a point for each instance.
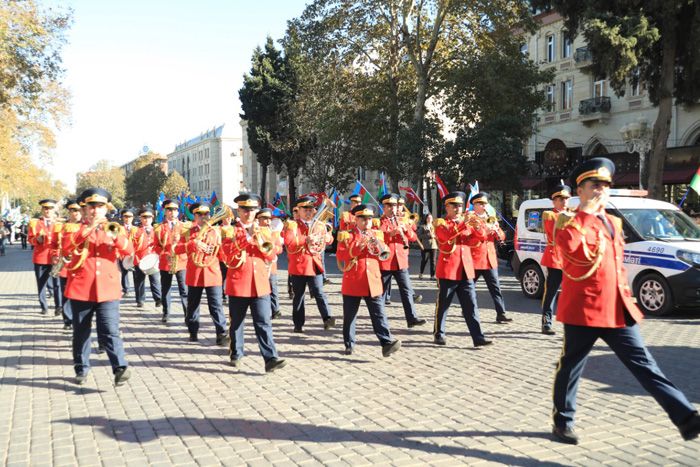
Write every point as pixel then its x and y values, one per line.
pixel 160 160
pixel 210 162
pixel 583 117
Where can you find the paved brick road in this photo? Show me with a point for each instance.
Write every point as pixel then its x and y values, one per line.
pixel 423 406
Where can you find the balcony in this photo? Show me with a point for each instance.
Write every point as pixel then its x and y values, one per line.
pixel 594 109
pixel 583 57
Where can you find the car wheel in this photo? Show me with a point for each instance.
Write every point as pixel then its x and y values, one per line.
pixel 654 295
pixel 532 280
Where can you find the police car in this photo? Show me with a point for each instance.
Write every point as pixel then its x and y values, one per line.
pixel 662 251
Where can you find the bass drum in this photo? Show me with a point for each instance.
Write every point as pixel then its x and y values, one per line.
pixel 128 263
pixel 149 264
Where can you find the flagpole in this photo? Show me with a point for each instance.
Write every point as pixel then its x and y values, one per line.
pixel 368 192
pixel 684 196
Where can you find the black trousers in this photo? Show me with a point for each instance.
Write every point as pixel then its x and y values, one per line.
pixel 425 256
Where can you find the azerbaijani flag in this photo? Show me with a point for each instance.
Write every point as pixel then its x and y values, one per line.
pixel 695 182
pixel 382 186
pixel 362 191
pixel 214 201
pixel 160 212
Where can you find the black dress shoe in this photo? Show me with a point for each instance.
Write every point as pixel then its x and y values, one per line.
pixel 222 339
pixel 482 343
pixel 503 319
pixel 236 363
pixel 80 378
pixel 327 281
pixel 58 311
pixel 387 303
pixel 164 319
pixel 348 350
pixel 100 350
pixel 417 322
pixel 298 330
pixel 68 327
pixel 277 314
pixel 391 347
pixel 275 364
pixel 439 340
pixel 159 303
pixel 122 374
pixel 44 311
pixel 690 429
pixel 328 323
pixel 139 304
pixel 417 298
pixel 548 330
pixel 193 337
pixel 565 435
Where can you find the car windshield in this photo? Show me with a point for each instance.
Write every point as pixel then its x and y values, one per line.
pixel 662 224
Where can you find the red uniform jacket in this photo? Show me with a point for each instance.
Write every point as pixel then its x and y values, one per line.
pixel 398 258
pixel 362 276
pixel 42 251
pixel 248 268
pixel 347 221
pixel 279 248
pixel 455 258
pixel 98 279
pixel 301 261
pixel 164 245
pixel 144 243
pixel 601 299
pixel 551 257
pixel 208 275
pixel 484 250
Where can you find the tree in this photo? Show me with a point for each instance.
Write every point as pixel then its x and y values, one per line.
pixel 660 38
pixel 261 98
pixel 174 185
pixel 104 175
pixel 144 184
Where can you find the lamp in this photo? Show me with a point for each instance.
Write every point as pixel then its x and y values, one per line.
pixel 637 138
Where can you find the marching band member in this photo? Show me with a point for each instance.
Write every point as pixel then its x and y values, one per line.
pixel 59 255
pixel 305 265
pixel 596 302
pixel 264 219
pixel 144 244
pixel 551 258
pixel 484 256
pixel 397 235
pixel 130 228
pixel 93 284
pixel 455 271
pixel 247 250
pixel 290 289
pixel 201 243
pixel 171 264
pixel 360 249
pixel 347 219
pixel 41 236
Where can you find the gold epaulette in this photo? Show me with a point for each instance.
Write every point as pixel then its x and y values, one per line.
pixel 564 219
pixel 376 222
pixel 344 236
pixel 227 231
pixel 439 222
pixel 291 225
pixel 71 227
pixel 157 228
pixel 187 225
pixel 32 223
pixel 548 216
pixel 57 227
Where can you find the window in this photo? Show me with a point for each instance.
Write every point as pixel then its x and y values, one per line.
pixel 599 88
pixel 549 91
pixel 565 46
pixel 635 85
pixel 206 153
pixel 550 48
pixel 567 94
pixel 533 220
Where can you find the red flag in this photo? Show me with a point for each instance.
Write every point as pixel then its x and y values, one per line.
pixel 442 188
pixel 411 195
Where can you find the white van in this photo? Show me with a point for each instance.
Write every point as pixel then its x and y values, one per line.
pixel 662 251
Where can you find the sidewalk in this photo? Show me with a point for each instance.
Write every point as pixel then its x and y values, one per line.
pixel 425 405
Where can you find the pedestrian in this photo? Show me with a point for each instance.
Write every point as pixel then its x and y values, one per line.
pixel 426 235
pixel 93 284
pixel 596 302
pixel 247 249
pixel 551 258
pixel 4 236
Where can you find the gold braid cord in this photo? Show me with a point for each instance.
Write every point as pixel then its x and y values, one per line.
pixel 594 258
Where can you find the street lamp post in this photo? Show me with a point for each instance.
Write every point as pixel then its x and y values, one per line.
pixel 637 137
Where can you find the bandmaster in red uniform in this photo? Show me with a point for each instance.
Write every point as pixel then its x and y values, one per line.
pixel 42 236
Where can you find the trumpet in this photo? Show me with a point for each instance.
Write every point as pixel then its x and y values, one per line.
pixel 263 239
pixel 112 229
pixel 374 246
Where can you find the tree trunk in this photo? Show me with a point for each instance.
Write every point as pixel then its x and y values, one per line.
pixel 263 185
pixel 291 183
pixel 662 126
pixel 421 93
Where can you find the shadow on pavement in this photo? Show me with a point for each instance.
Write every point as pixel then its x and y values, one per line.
pixel 60 383
pixel 142 431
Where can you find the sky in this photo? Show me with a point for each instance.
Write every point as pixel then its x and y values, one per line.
pixel 155 73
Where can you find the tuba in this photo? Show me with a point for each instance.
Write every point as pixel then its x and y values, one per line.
pixel 206 254
pixel 316 240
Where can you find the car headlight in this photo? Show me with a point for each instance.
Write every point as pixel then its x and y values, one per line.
pixel 689 257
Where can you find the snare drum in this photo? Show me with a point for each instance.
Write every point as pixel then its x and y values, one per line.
pixel 149 264
pixel 128 263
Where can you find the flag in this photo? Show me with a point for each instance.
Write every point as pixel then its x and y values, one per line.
pixel 473 189
pixel 411 195
pixel 160 212
pixel 695 182
pixel 362 191
pixel 382 186
pixel 276 212
pixel 442 188
pixel 335 199
pixel 214 201
pixel 277 199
